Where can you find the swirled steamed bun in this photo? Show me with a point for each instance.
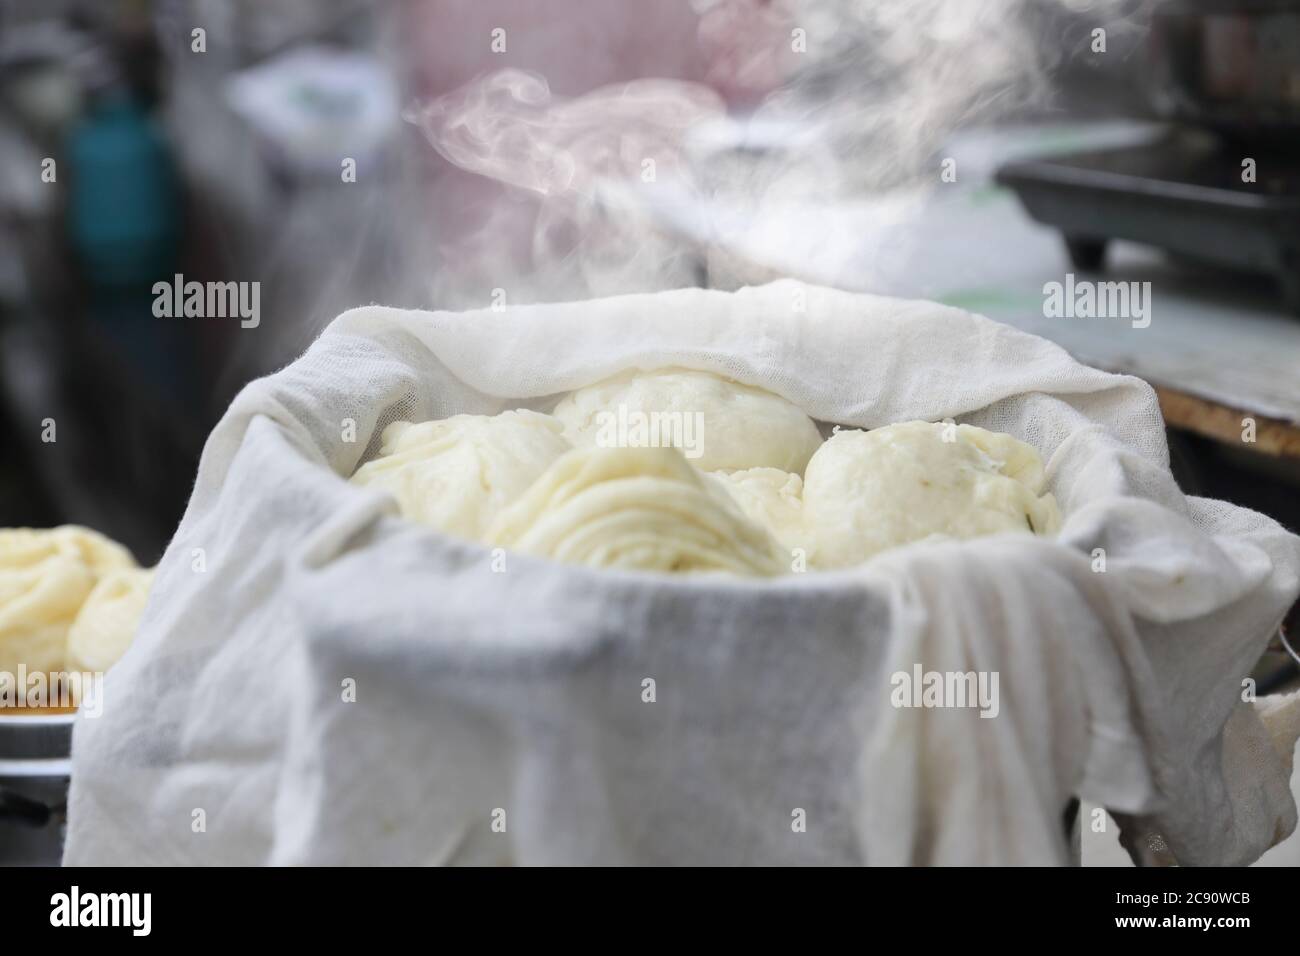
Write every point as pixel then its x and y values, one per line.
pixel 739 426
pixel 108 620
pixel 868 491
pixel 635 509
pixel 45 576
pixel 772 499
pixel 457 473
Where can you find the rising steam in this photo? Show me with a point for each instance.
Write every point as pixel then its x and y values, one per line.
pixel 508 127
pixel 634 185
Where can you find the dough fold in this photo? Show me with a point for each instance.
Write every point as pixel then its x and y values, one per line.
pixel 108 620
pixel 457 473
pixel 636 509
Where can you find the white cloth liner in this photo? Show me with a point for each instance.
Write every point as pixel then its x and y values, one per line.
pixel 479 691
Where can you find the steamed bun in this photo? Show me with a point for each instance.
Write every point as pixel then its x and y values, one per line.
pixel 45 576
pixel 740 426
pixel 772 499
pixel 457 473
pixel 868 491
pixel 108 620
pixel 635 508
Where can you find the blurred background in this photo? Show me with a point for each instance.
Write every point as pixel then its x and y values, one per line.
pixel 456 153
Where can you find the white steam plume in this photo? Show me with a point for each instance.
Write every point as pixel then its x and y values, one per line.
pixel 633 183
pixel 507 126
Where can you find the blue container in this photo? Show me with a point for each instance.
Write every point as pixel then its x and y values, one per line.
pixel 123 201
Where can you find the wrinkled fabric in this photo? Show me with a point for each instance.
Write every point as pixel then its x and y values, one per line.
pixel 508 709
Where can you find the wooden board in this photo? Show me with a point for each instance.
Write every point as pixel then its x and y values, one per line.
pixel 1226 425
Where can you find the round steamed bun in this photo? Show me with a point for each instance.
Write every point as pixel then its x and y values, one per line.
pixel 868 491
pixel 457 473
pixel 45 576
pixel 742 426
pixel 772 499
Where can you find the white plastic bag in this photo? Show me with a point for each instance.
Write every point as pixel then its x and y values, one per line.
pixel 555 714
